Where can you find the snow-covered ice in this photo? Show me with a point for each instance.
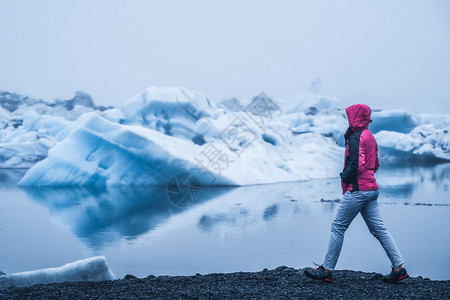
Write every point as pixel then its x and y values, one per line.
pixel 107 153
pixel 425 143
pixel 165 131
pixel 90 269
pixel 30 127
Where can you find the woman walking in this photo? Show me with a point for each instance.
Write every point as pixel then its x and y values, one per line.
pixel 360 192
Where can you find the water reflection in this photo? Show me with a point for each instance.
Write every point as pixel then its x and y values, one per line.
pixel 270 212
pixel 102 215
pixel 10 177
pixel 403 183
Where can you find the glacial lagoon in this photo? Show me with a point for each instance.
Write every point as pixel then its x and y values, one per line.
pixel 143 230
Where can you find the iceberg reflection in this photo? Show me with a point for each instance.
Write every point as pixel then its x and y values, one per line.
pixel 100 216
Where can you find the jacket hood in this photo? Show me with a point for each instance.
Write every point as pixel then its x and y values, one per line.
pixel 358 116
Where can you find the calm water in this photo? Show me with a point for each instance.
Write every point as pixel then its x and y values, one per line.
pixel 142 232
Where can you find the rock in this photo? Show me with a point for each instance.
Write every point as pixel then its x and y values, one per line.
pixel 1 273
pixel 289 270
pixel 280 268
pixel 150 277
pixel 162 278
pixel 129 276
pixel 330 201
pixel 282 280
pixel 377 276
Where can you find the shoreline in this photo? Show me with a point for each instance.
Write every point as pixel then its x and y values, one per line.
pixel 282 282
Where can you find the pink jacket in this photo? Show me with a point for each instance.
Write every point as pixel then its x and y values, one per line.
pixel 361 152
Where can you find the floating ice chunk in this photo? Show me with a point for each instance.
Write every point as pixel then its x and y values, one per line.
pixel 424 143
pixel 90 269
pixel 397 140
pixel 23 146
pixel 25 152
pixel 29 127
pixel 392 120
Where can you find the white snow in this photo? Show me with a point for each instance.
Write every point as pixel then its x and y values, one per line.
pixel 164 131
pixel 90 269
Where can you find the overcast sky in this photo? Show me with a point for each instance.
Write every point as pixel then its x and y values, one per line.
pixel 388 54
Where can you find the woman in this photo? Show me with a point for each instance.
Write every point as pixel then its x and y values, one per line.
pixel 360 192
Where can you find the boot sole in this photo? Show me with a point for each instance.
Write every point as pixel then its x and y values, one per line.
pixel 400 278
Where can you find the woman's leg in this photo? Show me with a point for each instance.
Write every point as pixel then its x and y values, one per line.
pixel 372 217
pixel 350 206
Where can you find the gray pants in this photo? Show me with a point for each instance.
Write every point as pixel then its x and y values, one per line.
pixel 364 202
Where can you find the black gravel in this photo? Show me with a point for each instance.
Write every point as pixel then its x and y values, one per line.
pixel 280 283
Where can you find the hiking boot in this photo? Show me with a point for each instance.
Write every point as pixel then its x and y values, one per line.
pixel 394 277
pixel 319 274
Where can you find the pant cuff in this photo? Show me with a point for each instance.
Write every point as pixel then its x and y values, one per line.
pixel 398 265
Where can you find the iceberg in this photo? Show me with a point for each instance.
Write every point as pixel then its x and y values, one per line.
pixel 106 153
pixel 165 131
pixel 30 127
pixel 90 269
pixel 425 143
pixel 393 120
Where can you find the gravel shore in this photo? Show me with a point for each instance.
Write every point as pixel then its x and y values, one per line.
pixel 280 283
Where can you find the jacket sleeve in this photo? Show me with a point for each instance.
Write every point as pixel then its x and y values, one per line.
pixel 377 162
pixel 349 174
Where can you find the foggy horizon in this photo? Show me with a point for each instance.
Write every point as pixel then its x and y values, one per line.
pixel 387 55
